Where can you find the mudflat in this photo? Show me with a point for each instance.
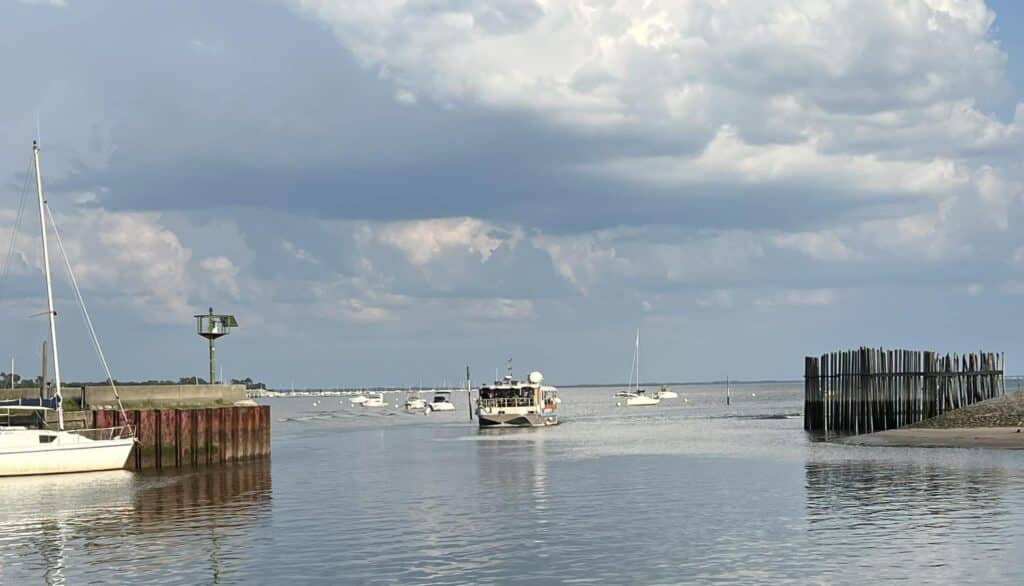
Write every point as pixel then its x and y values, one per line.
pixel 960 437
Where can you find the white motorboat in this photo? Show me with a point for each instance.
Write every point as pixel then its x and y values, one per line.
pixel 415 403
pixel 358 399
pixel 25 451
pixel 441 402
pixel 666 393
pixel 374 400
pixel 512 403
pixel 635 396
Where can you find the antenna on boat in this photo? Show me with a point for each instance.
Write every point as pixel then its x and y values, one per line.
pixel 509 368
pixel 49 286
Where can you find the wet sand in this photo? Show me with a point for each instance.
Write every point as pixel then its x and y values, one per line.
pixel 961 437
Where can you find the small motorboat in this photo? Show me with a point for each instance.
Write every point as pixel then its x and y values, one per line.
pixel 374 400
pixel 666 393
pixel 415 403
pixel 441 402
pixel 358 399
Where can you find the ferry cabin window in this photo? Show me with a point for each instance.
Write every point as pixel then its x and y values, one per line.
pixel 513 393
pixel 45 439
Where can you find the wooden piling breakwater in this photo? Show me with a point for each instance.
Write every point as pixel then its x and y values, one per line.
pixel 172 438
pixel 873 389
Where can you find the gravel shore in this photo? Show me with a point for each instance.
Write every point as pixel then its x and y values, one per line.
pixel 996 423
pixel 1005 411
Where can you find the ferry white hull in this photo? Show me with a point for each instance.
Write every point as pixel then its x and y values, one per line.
pixel 516 420
pixel 22 454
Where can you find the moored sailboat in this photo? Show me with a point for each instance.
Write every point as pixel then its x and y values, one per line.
pixel 25 451
pixel 635 396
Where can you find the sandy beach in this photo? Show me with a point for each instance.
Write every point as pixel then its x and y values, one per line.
pixel 996 423
pixel 963 437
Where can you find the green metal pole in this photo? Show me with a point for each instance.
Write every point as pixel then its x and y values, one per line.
pixel 213 368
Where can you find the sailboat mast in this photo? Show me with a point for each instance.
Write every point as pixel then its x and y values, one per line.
pixel 49 287
pixel 637 359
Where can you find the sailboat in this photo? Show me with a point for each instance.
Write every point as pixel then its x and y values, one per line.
pixel 25 451
pixel 634 395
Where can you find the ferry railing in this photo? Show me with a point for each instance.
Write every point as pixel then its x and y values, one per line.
pixel 507 402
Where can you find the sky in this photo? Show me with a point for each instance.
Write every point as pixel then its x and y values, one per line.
pixel 386 191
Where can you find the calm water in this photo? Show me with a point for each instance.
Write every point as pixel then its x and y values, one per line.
pixel 686 492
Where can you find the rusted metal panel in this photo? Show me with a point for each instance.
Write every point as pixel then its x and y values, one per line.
pixel 168 453
pixel 149 422
pixel 248 428
pixel 200 424
pixel 216 435
pixel 186 437
pixel 228 430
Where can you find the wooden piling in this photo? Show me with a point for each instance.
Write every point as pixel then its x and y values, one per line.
pixel 868 389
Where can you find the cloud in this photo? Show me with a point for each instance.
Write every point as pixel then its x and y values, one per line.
pixel 223 273
pixel 425 240
pixel 825 245
pixel 300 254
pixel 798 297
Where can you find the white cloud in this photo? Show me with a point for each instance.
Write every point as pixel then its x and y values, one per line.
pixel 798 297
pixel 56 3
pixel 499 309
pixel 133 252
pixel 223 273
pixel 299 253
pixel 717 298
pixel 423 241
pixel 824 245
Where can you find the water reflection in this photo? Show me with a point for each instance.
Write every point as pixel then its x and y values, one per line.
pixel 914 520
pixel 122 526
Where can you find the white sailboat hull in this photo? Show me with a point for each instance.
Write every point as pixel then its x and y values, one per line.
pixel 641 401
pixel 23 453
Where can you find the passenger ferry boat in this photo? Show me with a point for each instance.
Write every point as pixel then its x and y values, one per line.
pixel 512 403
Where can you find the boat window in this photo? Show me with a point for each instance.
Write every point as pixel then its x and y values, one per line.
pixel 45 439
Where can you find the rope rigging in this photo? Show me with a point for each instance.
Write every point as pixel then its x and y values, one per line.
pixel 85 314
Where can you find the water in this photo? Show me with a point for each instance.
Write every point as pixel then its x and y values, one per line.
pixel 686 492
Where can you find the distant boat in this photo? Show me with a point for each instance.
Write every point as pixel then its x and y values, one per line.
pixel 441 402
pixel 666 393
pixel 358 399
pixel 415 403
pixel 26 451
pixel 374 400
pixel 634 395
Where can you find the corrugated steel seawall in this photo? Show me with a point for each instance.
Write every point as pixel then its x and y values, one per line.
pixel 170 438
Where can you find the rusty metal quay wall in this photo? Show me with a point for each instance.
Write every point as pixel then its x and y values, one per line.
pixel 170 438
